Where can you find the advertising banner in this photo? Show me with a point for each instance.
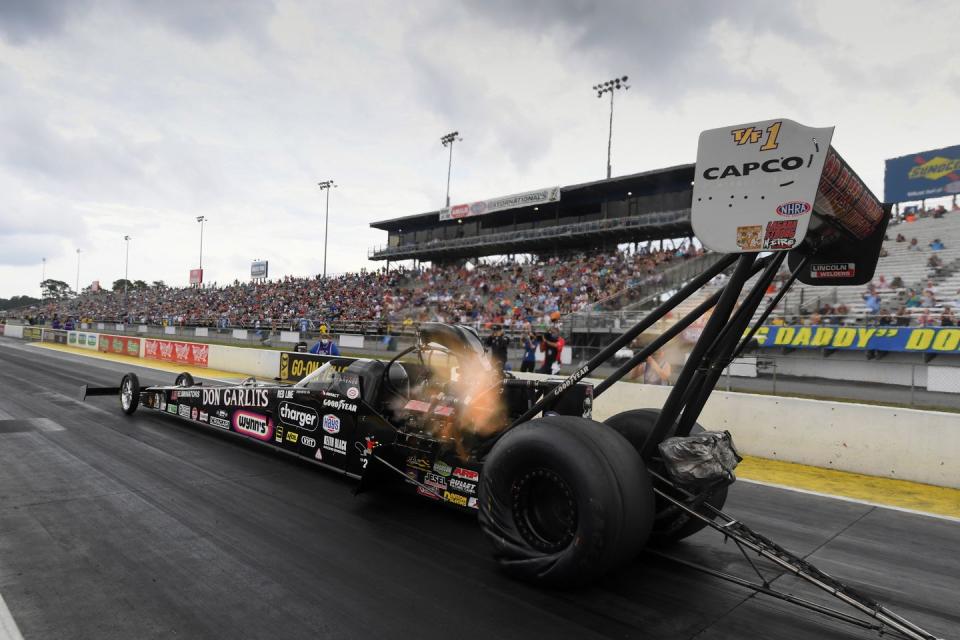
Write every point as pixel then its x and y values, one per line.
pixel 32 333
pixel 191 353
pixel 83 340
pixel 297 366
pixel 905 339
pixel 2 327
pixel 123 345
pixel 481 207
pixel 928 174
pixel 260 269
pixel 196 276
pixel 56 336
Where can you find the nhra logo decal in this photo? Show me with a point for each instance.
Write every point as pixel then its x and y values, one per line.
pixel 331 423
pixel 253 424
pixel 297 415
pixel 792 209
pixel 466 474
pixel 340 404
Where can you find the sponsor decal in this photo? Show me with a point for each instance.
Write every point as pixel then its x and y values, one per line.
pixel 427 493
pixel 750 237
pixel 161 402
pixel 466 474
pixel 462 486
pixel 418 463
pixel 223 413
pixel 752 135
pixel 779 234
pixel 453 498
pixel 833 270
pixel 297 415
pixel 331 423
pixel 293 436
pixel 284 394
pixel 203 416
pixel 308 442
pixel 435 480
pixel 340 404
pixel 472 503
pixel 773 165
pixel 443 411
pixel 254 425
pixel 194 413
pixel 318 455
pixel 172 408
pixel 278 433
pixel 191 353
pixel 236 397
pixel 219 422
pixel 793 209
pixel 442 468
pixel 353 393
pixel 337 445
pixel 188 393
pixel 417 405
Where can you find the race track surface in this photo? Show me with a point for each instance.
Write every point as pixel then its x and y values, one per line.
pixel 146 527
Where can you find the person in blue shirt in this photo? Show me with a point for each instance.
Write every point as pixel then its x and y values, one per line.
pixel 530 345
pixel 325 346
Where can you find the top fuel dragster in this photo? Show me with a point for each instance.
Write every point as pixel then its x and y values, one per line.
pixel 561 498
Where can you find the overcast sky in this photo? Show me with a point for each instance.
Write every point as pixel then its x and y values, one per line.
pixel 124 117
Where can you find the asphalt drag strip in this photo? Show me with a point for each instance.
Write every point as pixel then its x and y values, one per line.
pixel 115 526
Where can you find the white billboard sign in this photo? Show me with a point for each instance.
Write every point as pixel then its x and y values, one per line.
pixel 482 207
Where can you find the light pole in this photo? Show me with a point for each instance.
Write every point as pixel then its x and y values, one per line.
pixel 609 87
pixel 326 185
pixel 77 287
pixel 448 141
pixel 201 220
pixel 126 272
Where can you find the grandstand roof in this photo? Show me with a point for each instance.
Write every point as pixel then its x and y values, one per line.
pixel 640 206
pixel 607 186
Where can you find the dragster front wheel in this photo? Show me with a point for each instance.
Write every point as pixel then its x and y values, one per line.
pixel 671 524
pixel 129 393
pixel 564 500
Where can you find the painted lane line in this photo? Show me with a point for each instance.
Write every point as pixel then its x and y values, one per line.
pixel 8 627
pixel 867 503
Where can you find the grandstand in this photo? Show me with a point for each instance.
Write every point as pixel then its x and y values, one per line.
pixel 582 217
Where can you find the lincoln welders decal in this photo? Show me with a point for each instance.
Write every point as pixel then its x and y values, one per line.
pixel 253 425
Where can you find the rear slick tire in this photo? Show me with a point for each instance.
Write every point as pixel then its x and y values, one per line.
pixel 670 523
pixel 564 500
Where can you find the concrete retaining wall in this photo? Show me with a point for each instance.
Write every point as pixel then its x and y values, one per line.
pixel 262 363
pixel 907 444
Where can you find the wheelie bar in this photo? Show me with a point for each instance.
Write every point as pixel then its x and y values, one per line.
pixel 746 537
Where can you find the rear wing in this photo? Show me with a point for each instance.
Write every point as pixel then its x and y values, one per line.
pixel 777 185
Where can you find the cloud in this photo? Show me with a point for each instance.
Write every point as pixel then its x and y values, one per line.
pixel 24 20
